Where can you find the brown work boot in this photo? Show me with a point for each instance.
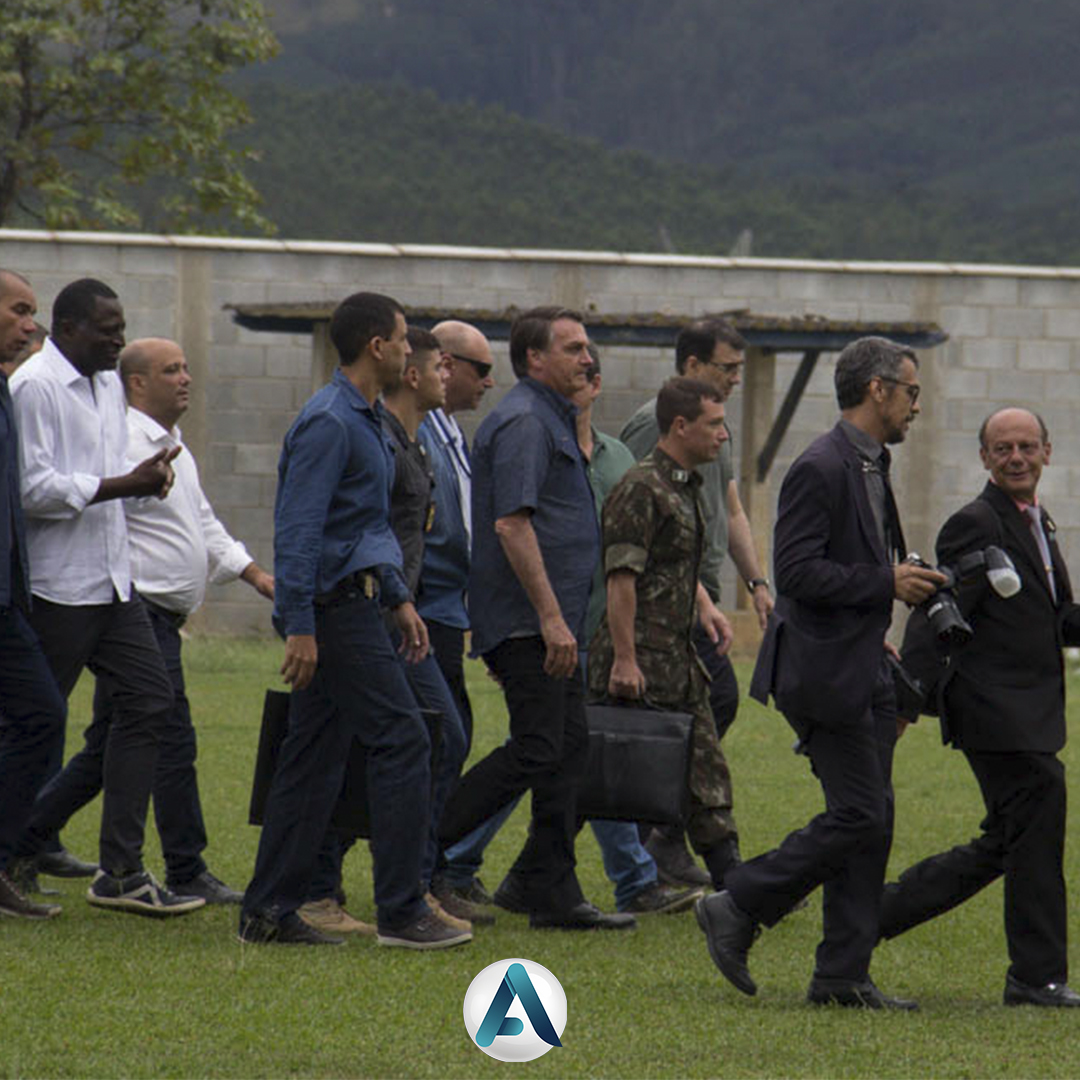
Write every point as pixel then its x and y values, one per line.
pixel 444 916
pixel 331 918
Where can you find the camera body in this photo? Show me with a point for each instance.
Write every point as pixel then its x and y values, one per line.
pixel 942 610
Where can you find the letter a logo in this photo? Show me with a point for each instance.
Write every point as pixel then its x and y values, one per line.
pixel 502 998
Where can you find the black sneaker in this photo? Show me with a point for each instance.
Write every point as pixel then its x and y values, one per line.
pixel 14 903
pixel 510 896
pixel 657 899
pixel 210 888
pixel 140 894
pixel 428 932
pixel 289 930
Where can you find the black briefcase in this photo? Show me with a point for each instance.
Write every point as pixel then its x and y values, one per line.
pixel 639 765
pixel 351 814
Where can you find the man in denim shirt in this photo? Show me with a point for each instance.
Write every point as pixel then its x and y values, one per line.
pixel 535 544
pixel 335 560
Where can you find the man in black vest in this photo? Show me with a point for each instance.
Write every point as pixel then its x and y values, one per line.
pixel 1001 699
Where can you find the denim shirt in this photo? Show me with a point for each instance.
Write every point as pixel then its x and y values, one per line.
pixel 444 576
pixel 332 512
pixel 526 457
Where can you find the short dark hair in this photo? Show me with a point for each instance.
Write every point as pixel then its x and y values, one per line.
pixel 701 337
pixel 421 340
pixel 1044 434
pixel 866 359
pixel 682 396
pixel 75 303
pixel 594 362
pixel 532 330
pixel 358 319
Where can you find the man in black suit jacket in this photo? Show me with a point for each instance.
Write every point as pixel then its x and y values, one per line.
pixel 1001 699
pixel 824 661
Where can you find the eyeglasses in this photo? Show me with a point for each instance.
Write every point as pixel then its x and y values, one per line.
pixel 482 369
pixel 910 388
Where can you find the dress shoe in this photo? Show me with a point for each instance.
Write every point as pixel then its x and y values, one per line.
pixel 729 933
pixel 584 916
pixel 854 995
pixel 674 863
pixel 510 896
pixel 289 930
pixel 210 888
pixel 15 903
pixel 1051 996
pixel 657 899
pixel 63 864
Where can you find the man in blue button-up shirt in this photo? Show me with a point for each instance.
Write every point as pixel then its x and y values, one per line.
pixel 335 561
pixel 535 545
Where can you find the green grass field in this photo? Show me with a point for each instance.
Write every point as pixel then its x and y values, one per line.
pixel 99 994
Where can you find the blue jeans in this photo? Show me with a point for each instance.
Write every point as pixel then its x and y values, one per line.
pixel 32 714
pixel 359 691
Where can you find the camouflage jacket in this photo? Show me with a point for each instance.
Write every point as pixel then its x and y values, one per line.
pixel 653 525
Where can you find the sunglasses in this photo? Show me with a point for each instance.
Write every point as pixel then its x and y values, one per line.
pixel 482 369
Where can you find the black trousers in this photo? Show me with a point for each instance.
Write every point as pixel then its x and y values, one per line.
pixel 31 722
pixel 548 752
pixel 177 808
pixel 1023 837
pixel 448 645
pixel 723 687
pixel 844 849
pixel 116 642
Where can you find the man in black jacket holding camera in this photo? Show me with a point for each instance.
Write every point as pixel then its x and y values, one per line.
pixel 1001 699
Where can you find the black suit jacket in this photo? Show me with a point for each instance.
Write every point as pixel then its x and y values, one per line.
pixel 14 570
pixel 823 649
pixel 1005 689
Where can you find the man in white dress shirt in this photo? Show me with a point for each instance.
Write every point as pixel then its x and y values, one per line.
pixel 70 409
pixel 177 545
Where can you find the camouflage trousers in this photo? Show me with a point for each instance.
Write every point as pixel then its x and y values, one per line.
pixel 711 820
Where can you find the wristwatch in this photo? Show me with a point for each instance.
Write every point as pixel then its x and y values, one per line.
pixel 753 583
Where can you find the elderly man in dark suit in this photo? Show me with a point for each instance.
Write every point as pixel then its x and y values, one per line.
pixel 1001 699
pixel 838 554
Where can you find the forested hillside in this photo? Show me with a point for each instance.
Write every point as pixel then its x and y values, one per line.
pixel 356 163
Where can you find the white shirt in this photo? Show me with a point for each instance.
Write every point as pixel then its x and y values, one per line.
pixel 72 434
pixel 453 439
pixel 176 543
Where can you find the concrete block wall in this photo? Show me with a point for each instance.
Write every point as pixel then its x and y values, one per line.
pixel 1014 338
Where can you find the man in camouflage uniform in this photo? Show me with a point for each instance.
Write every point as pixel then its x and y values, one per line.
pixel 653 543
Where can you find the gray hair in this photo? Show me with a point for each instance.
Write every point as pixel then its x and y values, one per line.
pixel 865 359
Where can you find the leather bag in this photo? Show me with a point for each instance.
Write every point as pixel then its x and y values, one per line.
pixel 639 765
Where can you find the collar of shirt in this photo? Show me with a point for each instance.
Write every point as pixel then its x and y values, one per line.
pixel 152 429
pixel 867 445
pixel 561 404
pixel 675 472
pixel 357 399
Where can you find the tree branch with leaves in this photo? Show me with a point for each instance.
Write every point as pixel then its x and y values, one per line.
pixel 114 113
